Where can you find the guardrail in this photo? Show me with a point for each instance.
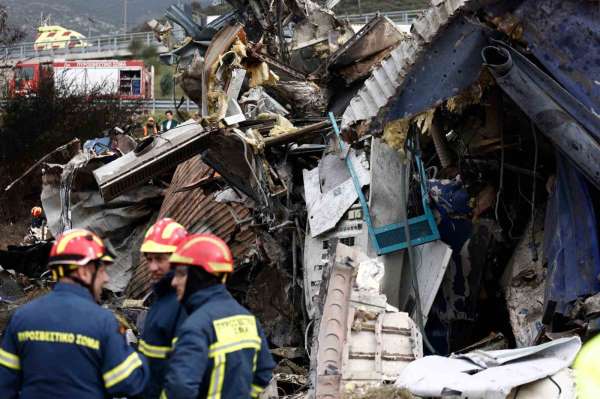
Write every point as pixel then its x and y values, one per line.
pixel 97 44
pixel 163 105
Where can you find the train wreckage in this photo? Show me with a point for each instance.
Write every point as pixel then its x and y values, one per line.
pixel 386 195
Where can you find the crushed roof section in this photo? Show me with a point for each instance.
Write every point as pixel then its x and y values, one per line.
pixel 199 213
pixel 385 79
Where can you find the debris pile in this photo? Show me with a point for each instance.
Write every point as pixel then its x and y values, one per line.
pixel 385 195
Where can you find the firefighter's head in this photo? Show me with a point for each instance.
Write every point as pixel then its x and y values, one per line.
pixel 79 256
pixel 160 242
pixel 200 261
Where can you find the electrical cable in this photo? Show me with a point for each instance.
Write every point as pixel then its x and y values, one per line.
pixel 501 182
pixel 535 161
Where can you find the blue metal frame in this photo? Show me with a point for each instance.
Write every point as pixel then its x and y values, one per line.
pixel 395 230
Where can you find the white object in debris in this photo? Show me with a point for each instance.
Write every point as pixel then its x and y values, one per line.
pixel 325 210
pixel 487 374
pixel 369 276
pixel 558 386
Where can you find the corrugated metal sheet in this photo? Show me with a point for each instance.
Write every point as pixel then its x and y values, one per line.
pixel 198 212
pixel 385 79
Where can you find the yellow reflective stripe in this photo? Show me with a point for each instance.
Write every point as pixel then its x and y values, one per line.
pixel 153 351
pixel 218 348
pixel 155 247
pixel 122 371
pixel 256 390
pixel 217 377
pixel 9 360
pixel 163 395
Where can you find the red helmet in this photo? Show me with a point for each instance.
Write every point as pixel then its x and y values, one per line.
pixel 163 236
pixel 36 211
pixel 77 247
pixel 205 251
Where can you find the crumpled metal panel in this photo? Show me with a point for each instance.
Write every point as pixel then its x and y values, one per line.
pixel 199 213
pixel 564 36
pixel 384 81
pixel 430 81
pixel 155 155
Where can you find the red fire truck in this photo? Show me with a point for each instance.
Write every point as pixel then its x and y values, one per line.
pixel 129 79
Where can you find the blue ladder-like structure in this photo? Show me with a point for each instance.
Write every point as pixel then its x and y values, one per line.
pixel 391 238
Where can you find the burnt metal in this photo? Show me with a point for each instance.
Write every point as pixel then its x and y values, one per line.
pixel 299 134
pixel 377 35
pixel 222 42
pixel 228 154
pixel 276 64
pixel 431 80
pixel 552 120
pixel 564 36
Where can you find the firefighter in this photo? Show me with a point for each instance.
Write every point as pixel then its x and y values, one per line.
pixel 220 350
pixel 64 344
pixel 166 313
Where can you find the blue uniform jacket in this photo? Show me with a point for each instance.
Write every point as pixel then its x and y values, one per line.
pixel 220 350
pixel 63 345
pixel 162 320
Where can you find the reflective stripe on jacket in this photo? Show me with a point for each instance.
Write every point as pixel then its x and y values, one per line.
pixel 162 320
pixel 220 351
pixel 64 345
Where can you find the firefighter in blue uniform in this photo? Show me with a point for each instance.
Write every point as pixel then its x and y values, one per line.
pixel 166 313
pixel 220 350
pixel 63 344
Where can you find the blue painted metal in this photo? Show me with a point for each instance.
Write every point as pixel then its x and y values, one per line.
pixel 570 240
pixel 391 238
pixel 450 65
pixel 564 35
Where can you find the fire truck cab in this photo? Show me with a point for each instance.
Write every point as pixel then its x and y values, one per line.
pixel 129 79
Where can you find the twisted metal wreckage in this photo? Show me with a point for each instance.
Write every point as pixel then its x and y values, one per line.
pixel 452 211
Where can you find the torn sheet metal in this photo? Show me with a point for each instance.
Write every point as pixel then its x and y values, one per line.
pixel 199 212
pixel 152 157
pixel 122 221
pixel 432 261
pixel 221 42
pixel 377 35
pixel 305 98
pixel 487 375
pixel 325 209
pixel 387 201
pixel 571 243
pixel 429 81
pixel 565 32
pixel 389 76
pixel 523 282
pixel 350 231
pixel 364 48
pixel 566 133
pixel 256 101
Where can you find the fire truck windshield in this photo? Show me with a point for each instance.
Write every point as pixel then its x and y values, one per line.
pixel 25 73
